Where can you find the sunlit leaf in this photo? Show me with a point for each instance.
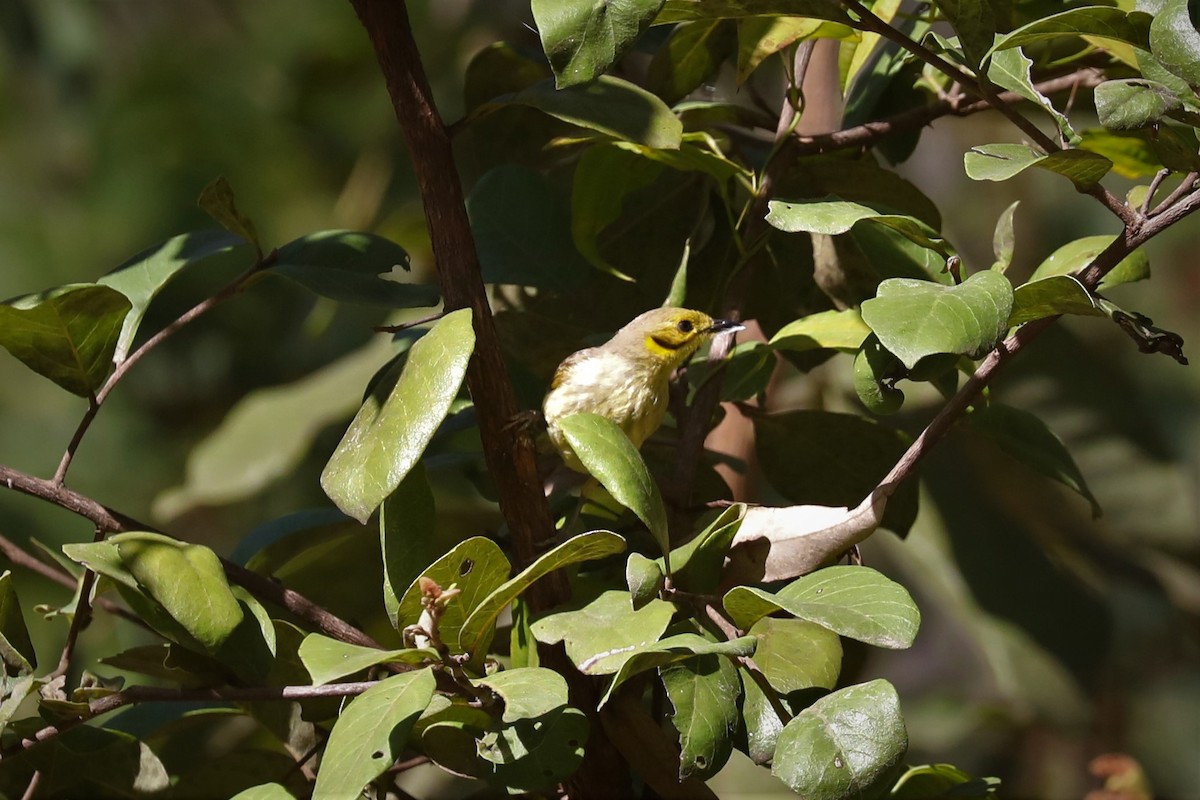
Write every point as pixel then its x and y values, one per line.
pixel 999 162
pixel 855 602
pixel 582 39
pixel 843 745
pixel 612 459
pixel 674 650
pixel 371 733
pixel 833 216
pixel 600 635
pixel 476 630
pixel 1175 42
pixel 1074 256
pixel 838 330
pixel 1047 297
pixel 914 319
pixel 328 659
pixel 348 266
pixel 1095 21
pixel 1132 103
pixel 394 425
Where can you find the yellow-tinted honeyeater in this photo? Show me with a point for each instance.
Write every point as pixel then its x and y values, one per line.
pixel 626 378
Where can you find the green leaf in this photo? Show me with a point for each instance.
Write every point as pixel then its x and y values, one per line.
pixel 689 10
pixel 975 23
pixel 835 330
pixel 795 654
pixel 597 200
pixel 1003 240
pixel 698 564
pixel 390 432
pixel 1175 42
pixel 582 38
pixel 607 105
pixel 68 334
pixel 328 659
pixel 827 459
pixel 600 635
pixel 187 580
pixel 477 567
pixel 673 650
pixel 90 761
pixel 856 602
pixel 843 745
pixel 1074 256
pixel 523 231
pixel 915 319
pixel 264 791
pixel 941 780
pixel 477 630
pixel 406 529
pixel 691 54
pixel 1048 297
pixel 269 432
pixel 704 700
pixel 1132 103
pixel 216 200
pixel 832 216
pixel 645 579
pixel 16 648
pixel 347 266
pixel 999 162
pixel 371 733
pixel 13 691
pixel 1027 439
pixel 527 693
pixel 763 36
pixel 611 458
pixel 1009 69
pixel 876 371
pixel 142 277
pixel 762 722
pixel 1100 22
pixel 1130 152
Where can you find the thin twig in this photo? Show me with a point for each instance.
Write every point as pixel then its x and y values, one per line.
pixel 1185 186
pixel 982 87
pixel 31 788
pixel 403 326
pixel 112 521
pixel 158 694
pixel 731 632
pixel 81 617
pixel 95 402
pixel 1159 177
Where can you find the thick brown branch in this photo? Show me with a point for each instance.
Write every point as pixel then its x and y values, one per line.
pixel 508 449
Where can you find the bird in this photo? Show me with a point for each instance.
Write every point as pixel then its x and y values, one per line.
pixel 627 378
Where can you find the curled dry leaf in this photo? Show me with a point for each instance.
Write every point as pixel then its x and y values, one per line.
pixel 775 544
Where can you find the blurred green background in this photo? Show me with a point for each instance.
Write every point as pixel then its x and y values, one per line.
pixel 1048 638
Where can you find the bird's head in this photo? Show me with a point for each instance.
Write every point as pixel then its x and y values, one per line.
pixel 669 336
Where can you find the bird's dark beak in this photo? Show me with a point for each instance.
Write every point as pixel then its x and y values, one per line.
pixel 726 326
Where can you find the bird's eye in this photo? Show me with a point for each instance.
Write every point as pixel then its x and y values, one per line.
pixel 684 326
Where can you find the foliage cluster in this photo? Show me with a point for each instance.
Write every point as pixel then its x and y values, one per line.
pixel 608 173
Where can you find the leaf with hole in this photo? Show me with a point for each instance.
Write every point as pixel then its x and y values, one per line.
pixel 477 629
pixel 371 733
pixel 844 745
pixel 394 425
pixel 704 696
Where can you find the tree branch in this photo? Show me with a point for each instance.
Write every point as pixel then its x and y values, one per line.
pixel 507 449
pixel 111 521
pixel 158 694
pixel 96 401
